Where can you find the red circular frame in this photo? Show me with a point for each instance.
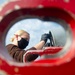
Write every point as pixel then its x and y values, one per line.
pixel 55 9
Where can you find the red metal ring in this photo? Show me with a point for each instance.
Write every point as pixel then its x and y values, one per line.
pixel 55 8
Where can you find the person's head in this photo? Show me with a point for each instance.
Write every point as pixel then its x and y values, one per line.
pixel 20 38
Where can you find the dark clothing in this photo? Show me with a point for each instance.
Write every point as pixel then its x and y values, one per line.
pixel 18 53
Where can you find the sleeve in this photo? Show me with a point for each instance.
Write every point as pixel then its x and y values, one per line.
pixel 31 57
pixel 17 53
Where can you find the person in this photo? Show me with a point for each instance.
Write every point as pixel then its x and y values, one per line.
pixel 20 40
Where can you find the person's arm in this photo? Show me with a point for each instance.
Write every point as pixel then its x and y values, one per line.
pixel 43 41
pixel 40 45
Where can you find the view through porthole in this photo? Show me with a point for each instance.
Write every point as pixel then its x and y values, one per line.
pixel 36 28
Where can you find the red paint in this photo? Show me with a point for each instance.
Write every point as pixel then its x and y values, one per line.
pixel 57 8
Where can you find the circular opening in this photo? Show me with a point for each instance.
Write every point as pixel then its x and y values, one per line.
pixel 36 27
pixel 44 22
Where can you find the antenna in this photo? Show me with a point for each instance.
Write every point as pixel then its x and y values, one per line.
pixel 51 39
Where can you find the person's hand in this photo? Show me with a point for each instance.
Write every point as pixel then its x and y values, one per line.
pixel 44 37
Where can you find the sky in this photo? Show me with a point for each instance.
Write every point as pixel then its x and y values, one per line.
pixel 36 28
pixel 2 1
